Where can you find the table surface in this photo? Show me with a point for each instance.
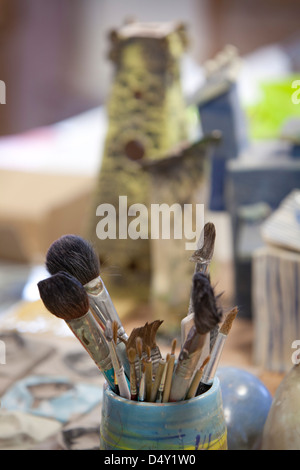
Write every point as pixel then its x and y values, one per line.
pixel 47 351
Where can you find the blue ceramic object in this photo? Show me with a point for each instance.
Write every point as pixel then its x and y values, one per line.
pixel 246 404
pixel 195 424
pixel 225 114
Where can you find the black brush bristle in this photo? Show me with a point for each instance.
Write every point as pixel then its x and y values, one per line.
pixel 207 314
pixel 64 296
pixel 206 252
pixel 74 255
pixel 202 388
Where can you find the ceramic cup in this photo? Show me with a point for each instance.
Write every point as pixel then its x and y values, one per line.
pixel 195 424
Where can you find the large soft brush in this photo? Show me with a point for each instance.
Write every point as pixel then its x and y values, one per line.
pixel 76 256
pixel 64 297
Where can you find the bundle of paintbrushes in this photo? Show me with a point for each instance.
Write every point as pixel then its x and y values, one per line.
pixel 133 365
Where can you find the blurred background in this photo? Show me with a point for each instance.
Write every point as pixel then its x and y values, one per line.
pixel 58 76
pixel 54 55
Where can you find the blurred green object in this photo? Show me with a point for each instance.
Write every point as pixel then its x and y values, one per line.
pixel 276 106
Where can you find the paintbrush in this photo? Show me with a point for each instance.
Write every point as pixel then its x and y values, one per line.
pixel 142 385
pixel 108 333
pixel 147 333
pixel 157 379
pixel 211 367
pixel 64 297
pixel 162 381
pixel 118 368
pixel 114 343
pixel 148 374
pixel 202 258
pixel 196 380
pixel 155 351
pixel 204 253
pixel 133 384
pixel 76 256
pixel 207 315
pixel 169 373
pixel 139 350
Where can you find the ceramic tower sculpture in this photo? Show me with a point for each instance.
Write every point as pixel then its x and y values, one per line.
pixel 149 160
pixel 146 118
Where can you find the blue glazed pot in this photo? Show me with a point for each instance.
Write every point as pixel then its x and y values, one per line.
pixel 246 404
pixel 194 424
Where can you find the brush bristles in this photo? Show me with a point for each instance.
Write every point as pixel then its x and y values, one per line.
pixel 226 327
pixel 154 327
pixel 205 253
pixel 173 347
pixel 146 333
pixel 74 255
pixel 209 240
pixel 207 314
pixel 132 355
pixel 115 327
pixel 139 346
pixel 205 362
pixel 64 296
